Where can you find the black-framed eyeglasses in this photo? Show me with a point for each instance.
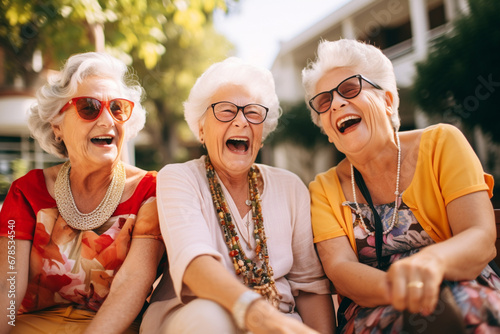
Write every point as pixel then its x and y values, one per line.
pixel 348 89
pixel 226 111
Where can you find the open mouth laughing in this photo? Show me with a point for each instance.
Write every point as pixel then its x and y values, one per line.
pixel 346 122
pixel 237 144
pixel 102 140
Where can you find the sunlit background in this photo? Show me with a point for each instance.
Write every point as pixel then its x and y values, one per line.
pixel 444 52
pixel 257 27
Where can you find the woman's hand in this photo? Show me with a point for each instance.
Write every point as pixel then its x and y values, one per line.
pixel 130 287
pixel 414 283
pixel 263 318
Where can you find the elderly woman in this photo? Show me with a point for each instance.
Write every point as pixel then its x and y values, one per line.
pixel 238 234
pixel 83 237
pixel 406 216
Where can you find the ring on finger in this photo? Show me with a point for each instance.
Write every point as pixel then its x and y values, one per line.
pixel 415 284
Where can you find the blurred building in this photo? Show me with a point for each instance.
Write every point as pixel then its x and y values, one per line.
pixel 403 29
pixel 15 140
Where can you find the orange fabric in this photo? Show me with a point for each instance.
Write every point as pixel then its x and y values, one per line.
pixel 59 320
pixel 447 168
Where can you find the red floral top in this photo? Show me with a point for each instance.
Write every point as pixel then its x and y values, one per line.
pixel 69 266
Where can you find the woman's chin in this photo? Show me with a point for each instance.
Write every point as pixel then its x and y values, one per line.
pixel 238 164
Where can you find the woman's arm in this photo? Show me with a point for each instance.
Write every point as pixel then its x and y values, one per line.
pixel 461 257
pixel 365 285
pixel 306 276
pixel 316 311
pixel 14 269
pixel 209 279
pixel 130 287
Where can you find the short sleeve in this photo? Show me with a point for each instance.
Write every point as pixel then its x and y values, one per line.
pixel 143 205
pixel 457 165
pixel 330 219
pixel 147 223
pixel 18 210
pixel 447 168
pixel 185 230
pixel 306 273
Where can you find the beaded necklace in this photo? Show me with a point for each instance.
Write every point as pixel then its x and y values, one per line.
pixel 92 220
pixel 260 278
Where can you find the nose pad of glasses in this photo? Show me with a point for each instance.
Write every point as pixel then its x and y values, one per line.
pixel 240 117
pixel 106 111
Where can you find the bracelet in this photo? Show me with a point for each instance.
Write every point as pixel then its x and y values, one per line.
pixel 240 307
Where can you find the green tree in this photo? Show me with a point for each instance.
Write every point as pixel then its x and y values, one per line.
pixel 460 80
pixel 296 133
pixel 295 126
pixel 168 85
pixel 169 43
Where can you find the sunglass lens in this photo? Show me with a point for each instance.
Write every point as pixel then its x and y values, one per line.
pixel 88 108
pixel 350 88
pixel 121 109
pixel 322 102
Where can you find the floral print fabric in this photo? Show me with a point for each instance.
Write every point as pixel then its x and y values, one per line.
pixel 478 300
pixel 73 267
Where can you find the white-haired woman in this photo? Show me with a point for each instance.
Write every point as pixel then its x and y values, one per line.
pixel 83 237
pixel 238 234
pixel 405 218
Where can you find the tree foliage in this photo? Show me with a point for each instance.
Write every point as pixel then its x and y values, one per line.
pixel 460 80
pixel 169 43
pixel 62 27
pixel 296 126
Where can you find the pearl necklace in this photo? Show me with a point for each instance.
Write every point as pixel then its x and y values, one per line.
pixel 92 220
pixel 396 206
pixel 260 278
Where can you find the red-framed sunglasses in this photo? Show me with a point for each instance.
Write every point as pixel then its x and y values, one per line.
pixel 89 108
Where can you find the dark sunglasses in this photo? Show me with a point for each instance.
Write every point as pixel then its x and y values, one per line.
pixel 348 89
pixel 89 108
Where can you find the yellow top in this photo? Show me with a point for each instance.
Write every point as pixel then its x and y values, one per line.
pixel 447 168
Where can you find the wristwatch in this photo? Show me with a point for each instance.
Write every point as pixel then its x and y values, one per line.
pixel 240 307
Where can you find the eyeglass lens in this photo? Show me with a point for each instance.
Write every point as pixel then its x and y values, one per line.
pixel 90 108
pixel 348 89
pixel 227 111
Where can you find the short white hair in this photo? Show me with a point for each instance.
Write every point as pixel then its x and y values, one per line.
pixel 255 80
pixel 362 58
pixel 62 86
